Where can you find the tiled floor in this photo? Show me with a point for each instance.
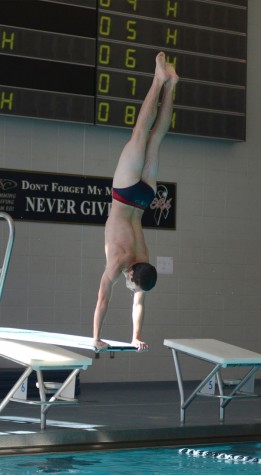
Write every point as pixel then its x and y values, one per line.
pixel 127 414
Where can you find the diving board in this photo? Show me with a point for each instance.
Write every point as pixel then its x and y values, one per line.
pixel 61 339
pixel 221 355
pixel 38 357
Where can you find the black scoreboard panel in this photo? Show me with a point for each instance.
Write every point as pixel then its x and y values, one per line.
pixel 204 40
pixel 92 61
pixel 48 59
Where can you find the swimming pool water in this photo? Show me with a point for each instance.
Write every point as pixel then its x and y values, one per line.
pixel 153 461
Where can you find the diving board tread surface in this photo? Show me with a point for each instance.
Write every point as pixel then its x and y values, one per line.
pixel 215 351
pixel 42 356
pixel 61 339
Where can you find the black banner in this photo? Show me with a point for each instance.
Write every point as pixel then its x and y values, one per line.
pixel 78 199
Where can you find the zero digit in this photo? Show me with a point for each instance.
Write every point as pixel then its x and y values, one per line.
pixel 103 112
pixel 104 54
pixel 105 26
pixel 104 83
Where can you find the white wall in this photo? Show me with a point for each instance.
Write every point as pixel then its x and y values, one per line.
pixel 215 289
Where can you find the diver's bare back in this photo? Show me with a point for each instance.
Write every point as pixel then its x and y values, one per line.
pixel 124 240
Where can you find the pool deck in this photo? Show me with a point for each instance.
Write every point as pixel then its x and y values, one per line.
pixel 127 415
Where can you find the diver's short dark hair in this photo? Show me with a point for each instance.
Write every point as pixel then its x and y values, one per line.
pixel 144 275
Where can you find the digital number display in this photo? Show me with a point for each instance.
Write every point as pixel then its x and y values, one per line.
pixel 93 61
pixel 171 34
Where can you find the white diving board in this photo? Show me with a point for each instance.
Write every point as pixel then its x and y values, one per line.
pixel 39 350
pixel 62 339
pixel 38 357
pixel 221 355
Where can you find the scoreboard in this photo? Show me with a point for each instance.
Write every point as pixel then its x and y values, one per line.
pixel 92 61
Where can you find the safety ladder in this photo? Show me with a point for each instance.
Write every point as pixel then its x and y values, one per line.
pixel 8 251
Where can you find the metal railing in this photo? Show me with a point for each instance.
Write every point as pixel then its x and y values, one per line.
pixel 8 251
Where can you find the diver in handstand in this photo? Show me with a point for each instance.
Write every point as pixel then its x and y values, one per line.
pixel 134 188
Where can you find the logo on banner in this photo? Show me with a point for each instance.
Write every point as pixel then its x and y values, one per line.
pixel 161 204
pixel 6 184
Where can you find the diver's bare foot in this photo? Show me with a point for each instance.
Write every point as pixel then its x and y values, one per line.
pixel 100 345
pixel 165 71
pixel 160 71
pixel 171 73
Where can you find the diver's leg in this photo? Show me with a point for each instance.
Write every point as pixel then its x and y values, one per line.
pixel 160 129
pixel 131 162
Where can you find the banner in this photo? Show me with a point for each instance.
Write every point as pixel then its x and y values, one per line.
pixel 78 199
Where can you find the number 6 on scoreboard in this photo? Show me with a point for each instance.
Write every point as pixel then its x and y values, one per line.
pixel 130 60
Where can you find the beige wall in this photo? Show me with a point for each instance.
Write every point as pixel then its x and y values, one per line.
pixel 215 289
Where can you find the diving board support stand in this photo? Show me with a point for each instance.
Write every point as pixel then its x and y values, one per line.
pixel 221 355
pixel 38 357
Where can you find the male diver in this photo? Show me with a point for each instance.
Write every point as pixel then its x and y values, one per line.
pixel 134 188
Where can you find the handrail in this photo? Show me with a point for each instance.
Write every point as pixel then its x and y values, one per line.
pixel 8 251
